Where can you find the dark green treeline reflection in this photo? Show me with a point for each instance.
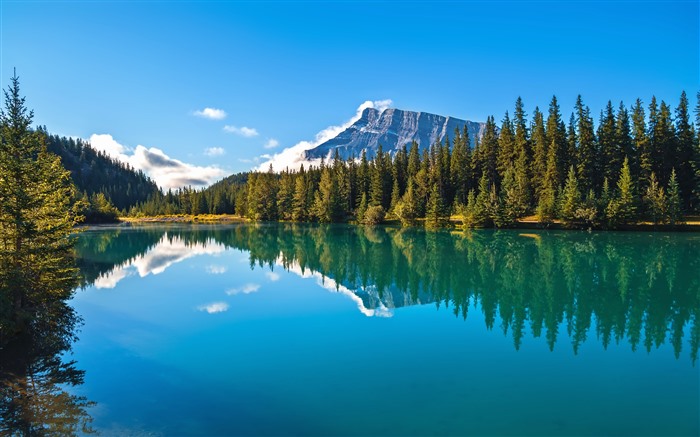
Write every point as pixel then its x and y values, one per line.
pixel 35 382
pixel 643 289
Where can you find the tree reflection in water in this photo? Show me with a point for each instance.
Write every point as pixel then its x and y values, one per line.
pixel 634 287
pixel 35 382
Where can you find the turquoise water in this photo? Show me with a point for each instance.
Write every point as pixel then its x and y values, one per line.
pixel 341 330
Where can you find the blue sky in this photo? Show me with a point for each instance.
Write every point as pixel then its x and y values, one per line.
pixel 135 73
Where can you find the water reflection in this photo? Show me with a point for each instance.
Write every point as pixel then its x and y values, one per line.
pixel 642 289
pixel 36 383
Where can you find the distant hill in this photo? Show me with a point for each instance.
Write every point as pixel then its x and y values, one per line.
pixel 94 172
pixel 393 128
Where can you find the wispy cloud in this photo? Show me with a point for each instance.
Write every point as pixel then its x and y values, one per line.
pixel 214 151
pixel 243 131
pixel 271 143
pixel 293 157
pixel 272 276
pixel 211 113
pixel 245 289
pixel 216 270
pixel 167 172
pixel 214 307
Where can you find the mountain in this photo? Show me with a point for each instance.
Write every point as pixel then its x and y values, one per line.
pixel 392 128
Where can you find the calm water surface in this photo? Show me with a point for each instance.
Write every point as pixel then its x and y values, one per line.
pixel 341 330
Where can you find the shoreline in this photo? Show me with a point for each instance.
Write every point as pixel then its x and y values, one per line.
pixel 691 224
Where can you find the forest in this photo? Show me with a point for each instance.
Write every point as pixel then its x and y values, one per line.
pixel 638 164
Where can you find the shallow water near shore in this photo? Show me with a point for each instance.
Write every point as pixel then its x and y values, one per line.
pixel 282 329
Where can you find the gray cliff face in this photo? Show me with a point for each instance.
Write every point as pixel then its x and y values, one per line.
pixel 393 128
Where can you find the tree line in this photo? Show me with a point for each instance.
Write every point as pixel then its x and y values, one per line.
pixel 637 164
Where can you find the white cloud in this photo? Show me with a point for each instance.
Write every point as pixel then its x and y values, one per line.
pixel 105 143
pixel 168 251
pixel 111 279
pixel 214 307
pixel 167 172
pixel 242 131
pixel 272 276
pixel 216 270
pixel 245 289
pixel 293 157
pixel 211 113
pixel 214 151
pixel 271 143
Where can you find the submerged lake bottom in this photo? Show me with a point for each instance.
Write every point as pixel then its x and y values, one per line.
pixel 279 329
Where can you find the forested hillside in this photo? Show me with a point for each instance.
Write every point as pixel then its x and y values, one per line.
pixel 96 173
pixel 640 163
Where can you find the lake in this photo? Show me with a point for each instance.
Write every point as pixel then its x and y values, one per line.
pixel 281 329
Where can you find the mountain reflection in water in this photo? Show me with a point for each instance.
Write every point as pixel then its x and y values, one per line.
pixel 640 288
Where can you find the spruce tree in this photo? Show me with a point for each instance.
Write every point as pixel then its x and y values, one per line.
pixel 685 152
pixel 571 198
pixel 622 209
pixel 37 268
pixel 674 207
pixel 587 159
pixel 655 201
pixel 539 158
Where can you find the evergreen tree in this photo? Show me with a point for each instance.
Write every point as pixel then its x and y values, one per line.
pixel 488 151
pixel 299 201
pixel 655 201
pixel 642 145
pixel 37 268
pixel 587 159
pixel 540 148
pixel 459 167
pixel 326 207
pixel 407 208
pixel 557 144
pixel 571 198
pixel 435 215
pixel 674 208
pixel 685 152
pixel 622 208
pixel 610 154
pixel 506 147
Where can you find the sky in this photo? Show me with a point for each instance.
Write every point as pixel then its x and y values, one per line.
pixel 191 92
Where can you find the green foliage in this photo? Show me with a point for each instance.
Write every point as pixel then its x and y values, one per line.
pixel 622 209
pixel 374 215
pixel 435 215
pixel 674 208
pixel 571 199
pixel 655 201
pixel 37 215
pixel 510 172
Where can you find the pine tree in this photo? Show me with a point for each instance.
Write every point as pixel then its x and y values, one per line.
pixel 557 145
pixel 299 201
pixel 326 207
pixel 506 147
pixel 37 268
pixel 641 144
pixel 435 215
pixel 459 167
pixel 610 154
pixel 539 159
pixel 571 198
pixel 587 160
pixel 685 152
pixel 488 151
pixel 655 201
pixel 407 208
pixel 674 208
pixel 622 209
